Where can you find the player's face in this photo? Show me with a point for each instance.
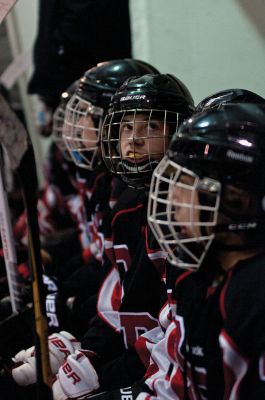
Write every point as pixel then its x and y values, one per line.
pixel 142 138
pixel 88 133
pixel 185 205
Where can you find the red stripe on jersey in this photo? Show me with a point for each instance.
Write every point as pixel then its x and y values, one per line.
pixel 143 351
pixel 116 296
pixel 109 297
pixel 151 370
pixel 177 383
pixel 149 250
pixel 176 334
pixel 182 276
pixel 128 210
pixel 223 293
pixel 235 366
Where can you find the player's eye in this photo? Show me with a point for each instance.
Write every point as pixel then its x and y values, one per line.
pixel 155 125
pixel 127 126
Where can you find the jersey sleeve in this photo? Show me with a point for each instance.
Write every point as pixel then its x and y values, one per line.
pixel 242 339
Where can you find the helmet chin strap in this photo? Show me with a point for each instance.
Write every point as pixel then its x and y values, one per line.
pixel 142 183
pixel 137 175
pixel 138 168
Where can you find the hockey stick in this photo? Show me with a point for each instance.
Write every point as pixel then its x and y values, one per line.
pixel 16 143
pixel 8 246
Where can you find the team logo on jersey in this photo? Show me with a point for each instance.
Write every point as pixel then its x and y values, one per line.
pixel 197 351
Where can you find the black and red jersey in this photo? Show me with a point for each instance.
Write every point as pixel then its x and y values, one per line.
pixel 215 343
pixel 130 296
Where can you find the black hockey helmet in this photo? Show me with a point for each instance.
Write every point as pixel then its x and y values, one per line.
pixel 218 156
pixel 92 98
pixel 160 97
pixel 219 98
pixel 154 91
pixel 100 83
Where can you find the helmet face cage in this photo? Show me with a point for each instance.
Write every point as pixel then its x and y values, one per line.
pixel 182 211
pixel 81 129
pixel 134 141
pixel 57 131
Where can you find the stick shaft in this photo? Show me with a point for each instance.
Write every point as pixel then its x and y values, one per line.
pixel 9 248
pixel 28 179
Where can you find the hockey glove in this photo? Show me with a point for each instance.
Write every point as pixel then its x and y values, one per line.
pixel 76 378
pixel 61 345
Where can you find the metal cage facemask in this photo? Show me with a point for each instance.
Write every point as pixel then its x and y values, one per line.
pixel 134 141
pixel 57 131
pixel 82 125
pixel 182 212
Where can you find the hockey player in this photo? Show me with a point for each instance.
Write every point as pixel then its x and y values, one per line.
pixel 144 114
pixel 208 191
pixel 152 342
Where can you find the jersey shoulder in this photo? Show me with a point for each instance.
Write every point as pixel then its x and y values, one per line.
pixel 242 304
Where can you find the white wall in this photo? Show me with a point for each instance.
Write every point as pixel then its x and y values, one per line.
pixel 210 45
pixel 26 17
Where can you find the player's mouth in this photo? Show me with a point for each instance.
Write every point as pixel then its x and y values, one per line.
pixel 136 157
